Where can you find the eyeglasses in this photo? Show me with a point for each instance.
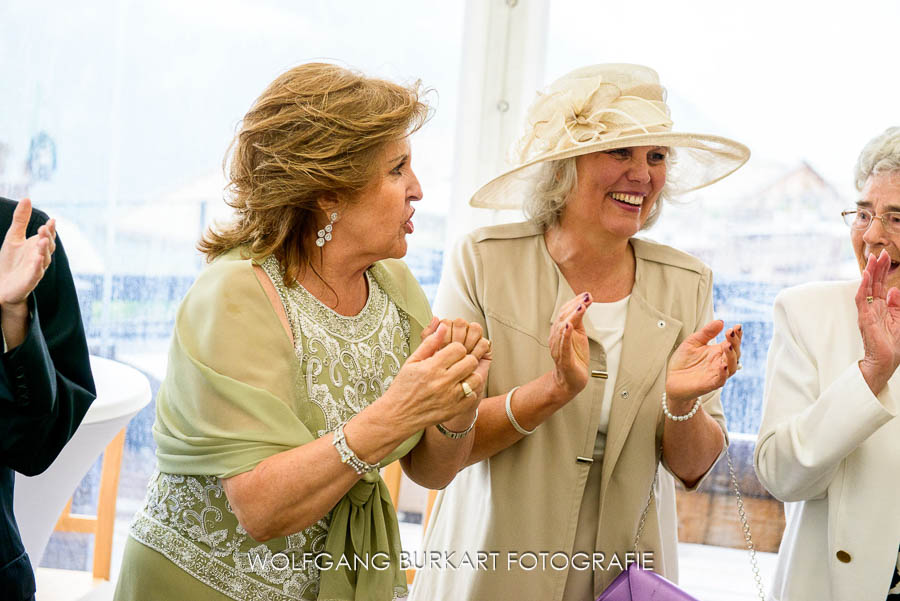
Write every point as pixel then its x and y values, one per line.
pixel 861 219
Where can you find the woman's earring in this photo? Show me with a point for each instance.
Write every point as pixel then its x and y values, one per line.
pixel 325 234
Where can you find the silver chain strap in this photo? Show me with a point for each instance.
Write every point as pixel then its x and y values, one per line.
pixel 640 530
pixel 748 537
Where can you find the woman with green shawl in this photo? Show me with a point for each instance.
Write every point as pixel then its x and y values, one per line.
pixel 296 369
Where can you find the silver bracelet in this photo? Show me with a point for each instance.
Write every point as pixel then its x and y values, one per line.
pixel 454 434
pixel 679 418
pixel 512 419
pixel 348 456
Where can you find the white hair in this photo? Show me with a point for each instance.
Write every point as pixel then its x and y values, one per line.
pixel 880 155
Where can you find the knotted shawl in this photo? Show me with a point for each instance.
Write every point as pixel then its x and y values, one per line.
pixel 234 395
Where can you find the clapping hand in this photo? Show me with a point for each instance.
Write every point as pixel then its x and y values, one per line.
pixel 569 346
pixel 698 367
pixel 878 312
pixel 24 260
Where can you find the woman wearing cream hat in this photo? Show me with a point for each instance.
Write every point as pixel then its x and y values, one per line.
pixel 590 392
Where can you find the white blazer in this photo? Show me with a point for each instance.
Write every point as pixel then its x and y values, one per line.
pixel 830 449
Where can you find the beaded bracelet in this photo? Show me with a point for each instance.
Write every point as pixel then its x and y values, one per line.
pixel 348 456
pixel 679 418
pixel 453 433
pixel 512 419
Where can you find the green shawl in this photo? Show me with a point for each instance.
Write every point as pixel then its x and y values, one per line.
pixel 234 395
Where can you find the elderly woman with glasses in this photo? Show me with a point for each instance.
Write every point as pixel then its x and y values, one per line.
pixel 829 442
pixel 603 367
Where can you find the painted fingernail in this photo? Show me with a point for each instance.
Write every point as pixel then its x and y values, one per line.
pixel 580 307
pixel 586 297
pixel 730 347
pixel 731 334
pixel 567 327
pixel 739 328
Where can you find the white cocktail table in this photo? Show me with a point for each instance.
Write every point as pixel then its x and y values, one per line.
pixel 122 391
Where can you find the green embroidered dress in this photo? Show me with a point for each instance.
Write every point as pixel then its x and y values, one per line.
pixel 236 392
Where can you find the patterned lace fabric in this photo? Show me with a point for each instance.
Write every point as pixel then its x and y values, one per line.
pixel 347 363
pixel 188 519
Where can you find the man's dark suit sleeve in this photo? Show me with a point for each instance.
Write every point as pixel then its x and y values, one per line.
pixel 46 384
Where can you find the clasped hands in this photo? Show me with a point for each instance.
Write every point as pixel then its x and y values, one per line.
pixel 452 353
pixel 695 368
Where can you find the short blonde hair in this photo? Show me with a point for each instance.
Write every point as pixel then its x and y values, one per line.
pixel 554 185
pixel 316 133
pixel 880 155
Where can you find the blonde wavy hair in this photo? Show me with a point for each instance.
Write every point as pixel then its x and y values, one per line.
pixel 315 134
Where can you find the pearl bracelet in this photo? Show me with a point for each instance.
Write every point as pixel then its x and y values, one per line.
pixel 679 418
pixel 348 456
pixel 511 417
pixel 454 434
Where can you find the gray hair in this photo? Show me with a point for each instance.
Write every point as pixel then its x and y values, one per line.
pixel 554 185
pixel 880 155
pixel 550 194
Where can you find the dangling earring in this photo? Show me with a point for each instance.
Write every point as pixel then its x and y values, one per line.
pixel 325 234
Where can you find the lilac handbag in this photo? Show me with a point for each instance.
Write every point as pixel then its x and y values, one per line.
pixel 635 584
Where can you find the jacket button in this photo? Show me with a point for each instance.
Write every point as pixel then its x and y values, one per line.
pixel 843 556
pixel 660 324
pixel 624 394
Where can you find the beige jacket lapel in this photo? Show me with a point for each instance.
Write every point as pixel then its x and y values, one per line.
pixel 587 436
pixel 564 294
pixel 649 336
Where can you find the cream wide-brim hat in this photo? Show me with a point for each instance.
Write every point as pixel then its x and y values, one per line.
pixel 603 107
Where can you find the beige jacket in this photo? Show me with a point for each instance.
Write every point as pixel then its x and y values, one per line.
pixel 527 497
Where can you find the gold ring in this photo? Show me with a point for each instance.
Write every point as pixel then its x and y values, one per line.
pixel 870 299
pixel 467 390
